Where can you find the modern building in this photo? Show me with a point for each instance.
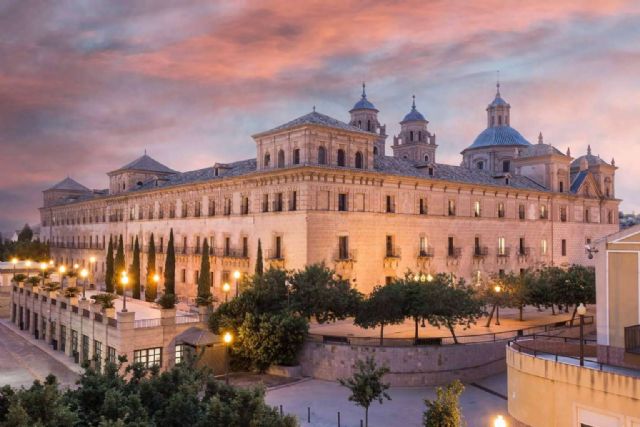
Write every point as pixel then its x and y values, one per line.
pixel 548 386
pixel 323 190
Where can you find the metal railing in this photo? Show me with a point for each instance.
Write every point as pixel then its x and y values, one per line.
pixel 480 251
pixel 535 352
pixel 146 323
pixel 345 255
pixel 427 252
pixel 187 318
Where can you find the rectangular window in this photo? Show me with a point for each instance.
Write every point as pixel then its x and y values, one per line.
pixel 293 201
pixel 278 248
pixel 148 357
pixel 424 247
pixel 277 203
pixel 450 248
pixel 342 202
pixel 227 246
pixel 97 354
pixel 521 214
pixel 564 247
pixel 111 355
pixel 245 206
pixel 390 205
pixel 389 247
pixel 452 207
pixel 587 216
pixel 183 275
pixel 212 207
pixel 343 247
pixel 74 341
pixel 502 249
pixel 245 247
pixel 85 348
pixel 63 338
pixel 563 214
pixel 423 207
pixel 476 209
pixel 500 210
pixel 227 206
pixel 265 203
pixel 543 246
pixel 182 352
pixel 506 164
pixel 521 247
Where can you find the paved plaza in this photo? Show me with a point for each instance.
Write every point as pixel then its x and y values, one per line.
pixel 508 322
pixel 480 404
pixel 22 362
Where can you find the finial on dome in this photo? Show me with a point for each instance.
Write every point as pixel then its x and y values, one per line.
pixel 498 83
pixel 613 161
pixel 314 108
pixel 145 151
pixel 364 93
pixel 413 106
pixel 540 140
pixel 589 149
pixel 568 152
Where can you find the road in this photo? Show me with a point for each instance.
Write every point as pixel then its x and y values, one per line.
pixel 21 362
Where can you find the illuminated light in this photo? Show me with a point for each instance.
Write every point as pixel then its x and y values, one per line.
pixel 226 287
pixel 156 278
pixel 228 338
pixel 497 288
pixel 236 274
pixel 499 422
pixel 84 273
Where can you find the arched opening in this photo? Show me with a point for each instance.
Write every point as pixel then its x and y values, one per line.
pixel 341 159
pixel 499 120
pixel 375 151
pixel 426 158
pixel 281 159
pixel 369 125
pixel 411 136
pixel 419 135
pixel 139 183
pixel 267 160
pixel 322 156
pixel 359 162
pixel 480 165
pixel 296 156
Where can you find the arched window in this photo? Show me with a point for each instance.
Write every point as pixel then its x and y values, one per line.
pixel 322 156
pixel 506 166
pixel 419 135
pixel 359 160
pixel 410 135
pixel 281 159
pixel 369 125
pixel 426 158
pixel 375 151
pixel 267 160
pixel 499 120
pixel 480 165
pixel 296 156
pixel 341 159
pixel 360 124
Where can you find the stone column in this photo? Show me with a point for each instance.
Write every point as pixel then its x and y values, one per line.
pixel 168 323
pixel 126 334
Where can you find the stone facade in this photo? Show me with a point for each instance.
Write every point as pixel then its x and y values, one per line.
pixel 320 190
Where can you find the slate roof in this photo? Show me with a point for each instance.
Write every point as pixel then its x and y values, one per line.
pixel 498 101
pixel 147 164
pixel 364 104
pixel 591 160
pixel 539 150
pixel 578 180
pixel 315 118
pixel 69 184
pixel 413 116
pixel 498 135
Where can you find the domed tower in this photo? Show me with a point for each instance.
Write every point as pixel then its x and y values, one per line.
pixel 496 146
pixel 364 115
pixel 414 141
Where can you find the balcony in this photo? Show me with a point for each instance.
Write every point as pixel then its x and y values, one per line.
pixel 454 252
pixel 524 253
pixel 480 251
pixel 426 253
pixel 503 252
pixel 632 339
pixel 275 258
pixel 392 253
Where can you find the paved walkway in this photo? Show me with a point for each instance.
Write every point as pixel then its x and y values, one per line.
pixel 480 404
pixel 22 361
pixel 508 322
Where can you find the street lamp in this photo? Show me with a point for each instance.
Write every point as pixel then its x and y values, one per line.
pixel 124 279
pixel 236 275
pixel 497 290
pixel 226 288
pixel 228 338
pixel 499 421
pixel 62 269
pixel 84 273
pixel 14 261
pixel 92 262
pixel 582 310
pixel 27 264
pixel 43 267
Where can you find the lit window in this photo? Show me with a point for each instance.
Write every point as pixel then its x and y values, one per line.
pixel 543 246
pixel 148 357
pixel 476 209
pixel 502 249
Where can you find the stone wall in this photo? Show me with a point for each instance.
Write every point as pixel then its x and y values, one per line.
pixel 409 366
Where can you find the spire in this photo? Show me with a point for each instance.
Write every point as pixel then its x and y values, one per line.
pixel 589 149
pixel 413 105
pixel 145 151
pixel 568 152
pixel 540 140
pixel 498 83
pixel 364 93
pixel 314 108
pixel 613 161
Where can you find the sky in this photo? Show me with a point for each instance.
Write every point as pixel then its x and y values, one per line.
pixel 87 86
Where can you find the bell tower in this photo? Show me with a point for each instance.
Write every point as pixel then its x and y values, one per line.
pixel 415 142
pixel 364 115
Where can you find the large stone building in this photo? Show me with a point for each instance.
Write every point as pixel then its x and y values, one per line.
pixel 323 190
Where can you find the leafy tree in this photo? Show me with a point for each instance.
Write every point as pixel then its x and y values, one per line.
pixel 316 292
pixel 366 385
pixel 259 263
pixel 271 339
pixel 26 234
pixel 135 270
pixel 452 304
pixel 151 287
pixel 119 265
pixel 556 279
pixel 20 278
pixel 109 274
pixel 582 287
pixel 382 307
pixel 167 301
pixel 33 281
pixel 417 299
pixel 170 268
pixel 204 280
pixel 445 410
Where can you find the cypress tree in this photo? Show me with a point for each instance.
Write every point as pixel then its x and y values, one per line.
pixel 119 265
pixel 151 290
pixel 108 276
pixel 170 268
pixel 204 280
pixel 259 265
pixel 135 270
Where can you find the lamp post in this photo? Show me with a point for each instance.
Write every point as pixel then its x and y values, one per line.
pixel 27 264
pixel 92 263
pixel 124 279
pixel 14 261
pixel 226 288
pixel 236 276
pixel 156 280
pixel 43 268
pixel 228 339
pixel 61 270
pixel 84 273
pixel 499 421
pixel 582 310
pixel 497 289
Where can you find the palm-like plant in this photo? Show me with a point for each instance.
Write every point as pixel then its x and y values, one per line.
pixel 33 281
pixel 71 292
pixel 105 299
pixel 19 278
pixel 51 286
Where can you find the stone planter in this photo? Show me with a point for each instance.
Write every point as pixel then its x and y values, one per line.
pixel 109 312
pixel 285 371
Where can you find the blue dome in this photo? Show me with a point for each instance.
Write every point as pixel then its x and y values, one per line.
pixel 364 104
pixel 498 135
pixel 498 101
pixel 414 115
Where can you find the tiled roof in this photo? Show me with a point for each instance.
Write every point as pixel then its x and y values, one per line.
pixel 146 163
pixel 591 160
pixel 578 180
pixel 539 150
pixel 315 118
pixel 498 135
pixel 69 184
